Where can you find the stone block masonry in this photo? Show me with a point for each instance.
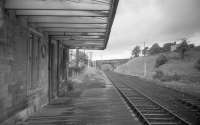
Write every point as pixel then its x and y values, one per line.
pixel 17 98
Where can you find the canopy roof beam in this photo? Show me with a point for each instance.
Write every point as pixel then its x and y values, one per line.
pixel 75 33
pixel 62 19
pixel 89 5
pixel 77 23
pixel 62 13
pixel 87 26
pixel 79 37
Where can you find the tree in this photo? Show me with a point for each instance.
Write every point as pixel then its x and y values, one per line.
pixel 183 48
pixel 191 46
pixel 136 51
pixel 167 47
pixel 83 57
pixel 145 50
pixel 155 49
pixel 162 59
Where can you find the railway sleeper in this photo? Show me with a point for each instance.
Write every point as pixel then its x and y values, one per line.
pixel 143 104
pixel 142 101
pixel 125 89
pixel 148 108
pixel 196 104
pixel 165 123
pixel 135 96
pixel 152 111
pixel 158 116
pixel 132 95
pixel 192 104
pixel 168 119
pixel 138 100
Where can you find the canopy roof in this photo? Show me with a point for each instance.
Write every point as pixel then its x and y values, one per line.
pixel 77 23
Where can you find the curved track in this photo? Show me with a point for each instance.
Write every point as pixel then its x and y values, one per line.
pixel 147 110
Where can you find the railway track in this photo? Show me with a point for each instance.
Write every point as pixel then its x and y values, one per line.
pixel 148 111
pixel 193 104
pixel 190 102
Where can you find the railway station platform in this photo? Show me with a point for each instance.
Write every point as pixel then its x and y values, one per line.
pixel 94 106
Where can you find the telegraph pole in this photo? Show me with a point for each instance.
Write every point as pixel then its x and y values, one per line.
pixel 145 66
pixel 88 60
pixel 77 57
pixel 91 54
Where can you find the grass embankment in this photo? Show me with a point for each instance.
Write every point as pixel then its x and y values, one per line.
pixel 188 76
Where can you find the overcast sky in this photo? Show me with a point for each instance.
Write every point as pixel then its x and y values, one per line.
pixel 150 21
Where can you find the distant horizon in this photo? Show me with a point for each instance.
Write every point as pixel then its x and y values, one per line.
pixel 98 54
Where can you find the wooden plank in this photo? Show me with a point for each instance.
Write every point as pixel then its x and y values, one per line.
pixel 73 30
pixel 82 44
pixel 87 47
pixel 67 19
pixel 81 41
pixel 55 4
pixel 61 13
pixel 93 33
pixel 72 25
pixel 74 33
pixel 79 37
pixel 36 23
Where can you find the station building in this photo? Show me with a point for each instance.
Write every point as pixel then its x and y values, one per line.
pixel 35 38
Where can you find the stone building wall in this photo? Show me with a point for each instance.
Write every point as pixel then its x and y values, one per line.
pixel 17 99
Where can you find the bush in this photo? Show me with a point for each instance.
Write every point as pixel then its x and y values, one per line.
pixel 136 51
pixel 191 46
pixel 166 78
pixel 145 51
pixel 155 49
pixel 158 75
pixel 65 87
pixel 176 77
pixel 183 48
pixel 167 47
pixel 70 85
pixel 197 64
pixel 160 61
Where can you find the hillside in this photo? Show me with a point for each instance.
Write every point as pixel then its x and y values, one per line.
pixel 189 77
pixel 136 66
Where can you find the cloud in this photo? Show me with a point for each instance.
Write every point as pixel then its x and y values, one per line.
pixel 152 21
pixel 195 38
